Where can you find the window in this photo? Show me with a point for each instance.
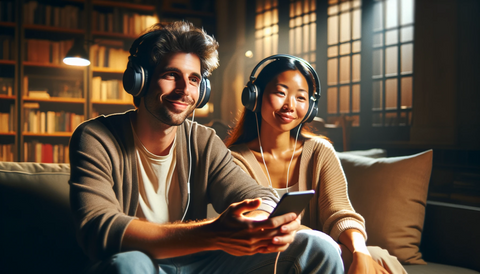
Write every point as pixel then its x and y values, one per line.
pixel 392 63
pixel 343 65
pixel 303 30
pixel 266 29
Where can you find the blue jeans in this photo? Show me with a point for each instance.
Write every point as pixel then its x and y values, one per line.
pixel 311 252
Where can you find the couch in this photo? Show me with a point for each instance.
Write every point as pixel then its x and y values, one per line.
pixel 37 234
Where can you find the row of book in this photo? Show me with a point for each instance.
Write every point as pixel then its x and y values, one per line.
pixel 67 16
pixel 103 90
pixel 45 153
pixel 122 21
pixel 37 121
pixel 6 86
pixel 109 56
pixel 6 152
pixel 7 120
pixel 7 48
pixel 47 51
pixel 44 88
pixel 7 11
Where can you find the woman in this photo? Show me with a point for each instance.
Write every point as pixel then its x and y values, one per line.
pixel 270 143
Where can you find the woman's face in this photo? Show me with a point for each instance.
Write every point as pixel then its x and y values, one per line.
pixel 285 100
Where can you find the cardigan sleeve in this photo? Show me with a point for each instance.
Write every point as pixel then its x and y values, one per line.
pixel 335 212
pixel 99 197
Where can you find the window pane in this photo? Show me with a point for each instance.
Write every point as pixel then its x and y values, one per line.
pixel 407 12
pixel 356 46
pixel 377 119
pixel 406 92
pixel 356 68
pixel 344 48
pixel 391 61
pixel 267 42
pixel 378 63
pixel 313 37
pixel 345 25
pixel 344 99
pixel 391 14
pixel 407 58
pixel 391 37
pixel 357 24
pixel 275 44
pixel 391 94
pixel 333 10
pixel 378 16
pixel 332 51
pixel 298 41
pixel 356 98
pixel 291 41
pixel 390 119
pixel 259 21
pixel 333 30
pixel 267 17
pixel 355 120
pixel 377 95
pixel 306 36
pixel 378 40
pixel 345 69
pixel 332 100
pixel 407 34
pixel 332 71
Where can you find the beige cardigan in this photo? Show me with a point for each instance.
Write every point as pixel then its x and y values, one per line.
pixel 330 210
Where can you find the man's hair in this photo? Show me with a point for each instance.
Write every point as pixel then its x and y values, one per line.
pixel 179 36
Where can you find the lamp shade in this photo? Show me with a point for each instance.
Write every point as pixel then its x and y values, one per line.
pixel 77 56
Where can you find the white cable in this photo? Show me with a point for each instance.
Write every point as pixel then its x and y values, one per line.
pixel 291 159
pixel 276 262
pixel 189 165
pixel 261 152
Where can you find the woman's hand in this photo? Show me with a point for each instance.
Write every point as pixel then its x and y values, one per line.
pixel 364 264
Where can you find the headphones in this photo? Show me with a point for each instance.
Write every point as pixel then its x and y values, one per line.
pixel 251 93
pixel 137 75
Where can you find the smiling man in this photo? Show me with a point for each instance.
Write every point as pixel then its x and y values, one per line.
pixel 141 180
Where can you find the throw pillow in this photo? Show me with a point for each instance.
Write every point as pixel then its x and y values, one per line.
pixel 391 193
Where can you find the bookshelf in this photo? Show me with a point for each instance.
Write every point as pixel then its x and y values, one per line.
pixel 41 99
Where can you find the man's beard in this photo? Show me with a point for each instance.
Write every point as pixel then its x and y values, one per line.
pixel 164 115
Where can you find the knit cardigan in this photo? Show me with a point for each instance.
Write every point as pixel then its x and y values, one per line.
pixel 104 184
pixel 330 210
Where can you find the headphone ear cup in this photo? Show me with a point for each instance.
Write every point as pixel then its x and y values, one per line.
pixel 203 93
pixel 134 78
pixel 250 97
pixel 312 112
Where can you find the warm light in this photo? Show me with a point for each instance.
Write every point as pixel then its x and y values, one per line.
pixel 249 54
pixel 76 61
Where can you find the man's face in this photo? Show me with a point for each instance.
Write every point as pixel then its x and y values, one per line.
pixel 173 91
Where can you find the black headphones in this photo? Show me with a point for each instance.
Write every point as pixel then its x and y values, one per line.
pixel 251 93
pixel 137 75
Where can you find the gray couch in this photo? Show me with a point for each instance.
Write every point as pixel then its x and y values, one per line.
pixel 37 235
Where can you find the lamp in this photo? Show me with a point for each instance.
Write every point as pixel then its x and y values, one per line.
pixel 77 56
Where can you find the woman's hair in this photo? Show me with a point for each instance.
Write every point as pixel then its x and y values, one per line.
pixel 179 36
pixel 245 129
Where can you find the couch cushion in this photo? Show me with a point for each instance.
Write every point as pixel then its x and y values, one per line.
pixel 390 193
pixel 37 232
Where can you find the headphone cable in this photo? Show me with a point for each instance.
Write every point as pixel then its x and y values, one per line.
pixel 189 165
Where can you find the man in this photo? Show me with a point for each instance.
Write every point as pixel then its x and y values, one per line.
pixel 141 180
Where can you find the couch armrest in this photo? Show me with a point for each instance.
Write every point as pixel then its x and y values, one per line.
pixel 450 235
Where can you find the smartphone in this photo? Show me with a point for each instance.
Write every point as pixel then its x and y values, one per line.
pixel 293 202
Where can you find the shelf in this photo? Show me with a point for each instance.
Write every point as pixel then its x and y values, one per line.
pixel 116 4
pixel 55 100
pixel 7 133
pixel 48 65
pixel 8 97
pixel 113 102
pixel 7 24
pixel 56 134
pixel 107 70
pixel 54 29
pixel 7 62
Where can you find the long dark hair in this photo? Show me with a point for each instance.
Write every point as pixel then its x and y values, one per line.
pixel 245 129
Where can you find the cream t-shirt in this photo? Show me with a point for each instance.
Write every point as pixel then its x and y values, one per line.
pixel 160 198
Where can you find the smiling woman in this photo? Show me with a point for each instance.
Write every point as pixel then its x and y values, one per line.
pixel 270 143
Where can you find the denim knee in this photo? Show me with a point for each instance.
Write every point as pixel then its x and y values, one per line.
pixel 321 249
pixel 131 262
